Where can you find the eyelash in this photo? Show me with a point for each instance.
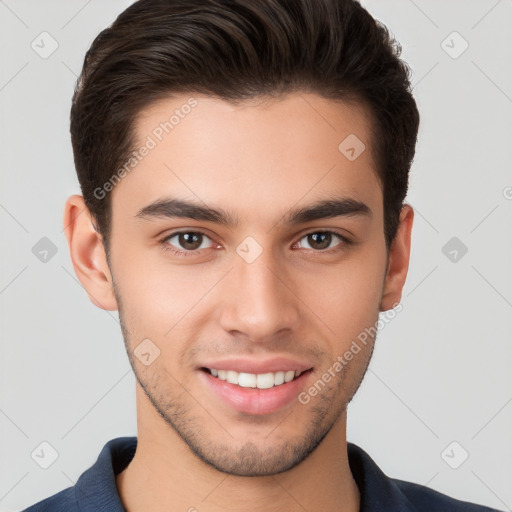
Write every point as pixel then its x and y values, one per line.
pixel 339 247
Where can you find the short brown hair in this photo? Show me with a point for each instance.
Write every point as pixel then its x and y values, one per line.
pixel 238 50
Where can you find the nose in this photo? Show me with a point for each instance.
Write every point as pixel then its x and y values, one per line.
pixel 259 300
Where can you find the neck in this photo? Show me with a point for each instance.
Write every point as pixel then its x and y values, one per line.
pixel 165 475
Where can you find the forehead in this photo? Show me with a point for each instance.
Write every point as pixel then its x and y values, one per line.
pixel 263 155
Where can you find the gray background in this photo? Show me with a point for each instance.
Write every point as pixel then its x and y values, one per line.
pixel 441 369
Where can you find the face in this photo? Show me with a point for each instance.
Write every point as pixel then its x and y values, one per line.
pixel 225 257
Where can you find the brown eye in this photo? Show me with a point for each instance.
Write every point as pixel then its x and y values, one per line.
pixel 187 241
pixel 190 241
pixel 321 240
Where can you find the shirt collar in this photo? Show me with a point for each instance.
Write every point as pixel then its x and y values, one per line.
pixel 96 489
pixel 378 491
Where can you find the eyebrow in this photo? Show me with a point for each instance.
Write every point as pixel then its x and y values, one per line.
pixel 324 209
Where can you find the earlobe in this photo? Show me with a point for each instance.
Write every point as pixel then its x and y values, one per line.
pixel 398 263
pixel 88 254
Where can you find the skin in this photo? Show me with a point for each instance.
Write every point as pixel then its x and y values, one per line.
pixel 257 160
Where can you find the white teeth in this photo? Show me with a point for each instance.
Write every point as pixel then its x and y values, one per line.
pixel 232 377
pixel 288 376
pixel 252 380
pixel 278 378
pixel 265 380
pixel 247 380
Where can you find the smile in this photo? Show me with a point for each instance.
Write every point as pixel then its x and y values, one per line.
pixel 255 380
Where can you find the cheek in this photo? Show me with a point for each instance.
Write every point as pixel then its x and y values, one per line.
pixel 346 296
pixel 159 298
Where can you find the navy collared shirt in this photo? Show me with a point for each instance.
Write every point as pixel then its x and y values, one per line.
pixel 96 491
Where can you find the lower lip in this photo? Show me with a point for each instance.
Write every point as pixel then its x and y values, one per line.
pixel 254 400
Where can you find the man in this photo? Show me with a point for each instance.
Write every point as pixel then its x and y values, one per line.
pixel 244 166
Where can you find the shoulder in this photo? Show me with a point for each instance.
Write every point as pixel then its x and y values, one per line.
pixel 63 501
pixel 95 489
pixel 424 498
pixel 385 494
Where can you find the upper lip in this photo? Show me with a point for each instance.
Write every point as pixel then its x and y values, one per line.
pixel 246 365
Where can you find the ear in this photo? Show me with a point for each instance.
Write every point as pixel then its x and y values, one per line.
pixel 398 260
pixel 88 254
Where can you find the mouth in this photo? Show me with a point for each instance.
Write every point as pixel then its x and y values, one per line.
pixel 255 385
pixel 254 393
pixel 256 380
